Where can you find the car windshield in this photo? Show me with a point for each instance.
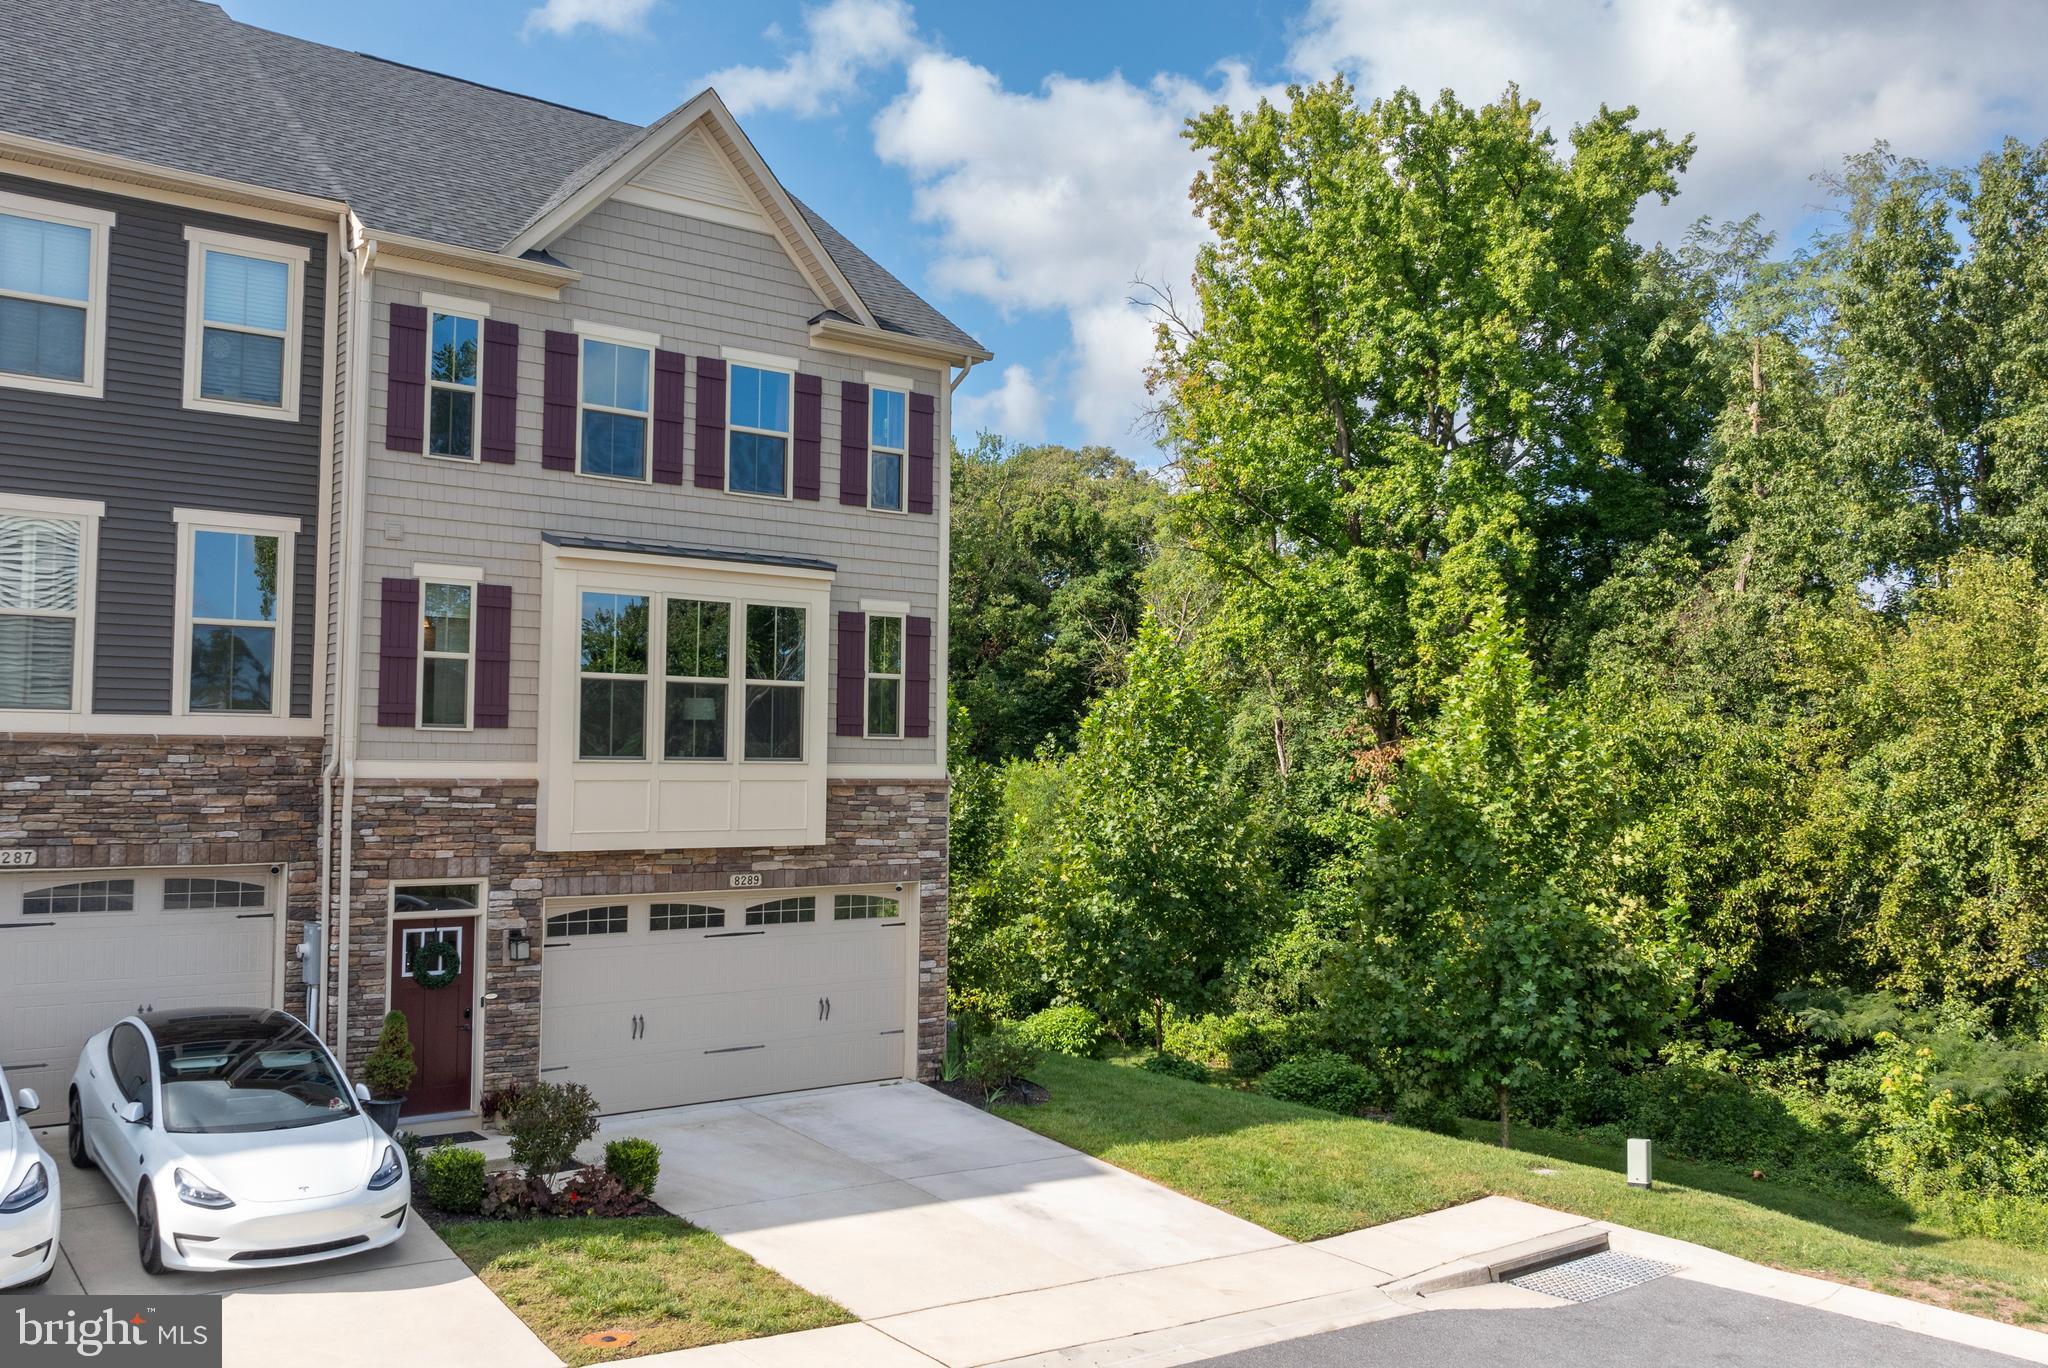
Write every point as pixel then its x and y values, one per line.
pixel 257 1078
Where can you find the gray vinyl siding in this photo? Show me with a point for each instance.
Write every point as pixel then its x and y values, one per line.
pixel 702 286
pixel 142 453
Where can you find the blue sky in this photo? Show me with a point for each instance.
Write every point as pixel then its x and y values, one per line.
pixel 1021 166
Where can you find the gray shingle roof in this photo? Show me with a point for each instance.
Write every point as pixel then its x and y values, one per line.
pixel 179 83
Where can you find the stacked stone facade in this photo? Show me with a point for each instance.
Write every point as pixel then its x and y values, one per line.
pixel 409 832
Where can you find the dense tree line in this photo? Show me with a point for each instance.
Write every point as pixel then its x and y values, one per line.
pixel 1550 669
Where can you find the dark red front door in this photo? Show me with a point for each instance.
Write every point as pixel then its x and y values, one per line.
pixel 438 1019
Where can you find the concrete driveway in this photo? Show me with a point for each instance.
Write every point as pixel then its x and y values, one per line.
pixel 411 1303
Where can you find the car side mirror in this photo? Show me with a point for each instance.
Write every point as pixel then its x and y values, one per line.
pixel 362 1092
pixel 133 1113
pixel 27 1100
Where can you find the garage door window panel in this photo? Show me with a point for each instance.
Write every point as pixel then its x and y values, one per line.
pixel 205 895
pixel 684 917
pixel 783 912
pixel 775 682
pixel 588 921
pixel 863 907
pixel 42 595
pixel 613 699
pixel 92 895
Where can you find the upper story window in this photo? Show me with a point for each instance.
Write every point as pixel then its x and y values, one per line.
pixel 234 576
pixel 447 647
pixel 885 675
pixel 454 365
pixel 757 431
pixel 612 424
pixel 698 665
pixel 888 425
pixel 53 295
pixel 242 324
pixel 612 692
pixel 775 682
pixel 46 574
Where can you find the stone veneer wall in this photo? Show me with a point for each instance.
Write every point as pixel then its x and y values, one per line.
pixel 107 802
pixel 418 831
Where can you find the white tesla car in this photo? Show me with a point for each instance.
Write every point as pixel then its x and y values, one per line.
pixel 28 1195
pixel 232 1137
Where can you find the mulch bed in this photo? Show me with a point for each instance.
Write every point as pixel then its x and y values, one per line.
pixel 1018 1092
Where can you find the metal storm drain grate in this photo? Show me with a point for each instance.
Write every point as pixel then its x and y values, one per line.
pixel 1596 1275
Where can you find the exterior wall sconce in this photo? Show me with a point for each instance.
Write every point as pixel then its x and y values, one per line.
pixel 517 946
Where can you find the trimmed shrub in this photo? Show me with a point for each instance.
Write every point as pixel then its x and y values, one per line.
pixel 389 1068
pixel 1175 1066
pixel 453 1178
pixel 634 1162
pixel 551 1120
pixel 1425 1110
pixel 1068 1029
pixel 998 1057
pixel 1325 1079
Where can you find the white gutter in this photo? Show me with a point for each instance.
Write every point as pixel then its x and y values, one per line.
pixel 349 676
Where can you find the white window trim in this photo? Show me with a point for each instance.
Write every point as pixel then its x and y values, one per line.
pixel 902 453
pixel 756 361
pixel 734 642
pixel 100 224
pixel 868 674
pixel 419 688
pixel 87 514
pixel 447 574
pixel 286 530
pixel 878 380
pixel 474 313
pixel 619 337
pixel 199 241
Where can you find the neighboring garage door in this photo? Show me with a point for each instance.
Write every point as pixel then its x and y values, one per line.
pixel 81 949
pixel 654 1002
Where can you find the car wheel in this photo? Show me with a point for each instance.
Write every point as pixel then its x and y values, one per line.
pixel 74 1137
pixel 147 1244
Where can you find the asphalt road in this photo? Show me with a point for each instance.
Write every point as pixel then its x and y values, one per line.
pixel 1665 1322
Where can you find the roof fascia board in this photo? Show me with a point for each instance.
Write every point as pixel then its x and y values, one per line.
pixel 470 266
pixel 834 291
pixel 830 334
pixel 60 163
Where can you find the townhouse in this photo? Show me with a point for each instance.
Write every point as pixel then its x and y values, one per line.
pixel 459 554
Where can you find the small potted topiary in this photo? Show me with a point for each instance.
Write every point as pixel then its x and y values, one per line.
pixel 388 1069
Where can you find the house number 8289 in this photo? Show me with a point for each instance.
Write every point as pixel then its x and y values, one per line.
pixel 745 881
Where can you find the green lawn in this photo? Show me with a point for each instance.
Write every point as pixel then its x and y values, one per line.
pixel 667 1282
pixel 1307 1174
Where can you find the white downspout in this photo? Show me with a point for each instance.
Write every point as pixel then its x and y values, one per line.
pixel 945 606
pixel 350 649
pixel 317 995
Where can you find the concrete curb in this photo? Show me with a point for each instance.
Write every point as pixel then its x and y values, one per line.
pixel 1507 1261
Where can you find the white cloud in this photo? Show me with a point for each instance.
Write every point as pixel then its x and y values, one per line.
pixel 1058 199
pixel 1014 409
pixel 563 17
pixel 1774 91
pixel 843 41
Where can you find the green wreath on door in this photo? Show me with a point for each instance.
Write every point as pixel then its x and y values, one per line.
pixel 436 963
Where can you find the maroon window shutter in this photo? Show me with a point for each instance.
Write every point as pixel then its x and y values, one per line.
pixel 398 653
pixel 710 423
pixel 494 655
pixel 810 436
pixel 924 427
pixel 853 443
pixel 671 381
pixel 917 676
pixel 405 393
pixel 558 404
pixel 501 391
pixel 853 674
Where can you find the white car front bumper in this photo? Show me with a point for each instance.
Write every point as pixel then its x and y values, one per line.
pixel 28 1239
pixel 278 1234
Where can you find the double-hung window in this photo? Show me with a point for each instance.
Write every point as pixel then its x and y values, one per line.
pixel 885 675
pixel 612 424
pixel 699 663
pixel 888 424
pixel 46 574
pixel 53 295
pixel 612 689
pixel 447 650
pixel 775 682
pixel 757 422
pixel 454 367
pixel 242 324
pixel 233 648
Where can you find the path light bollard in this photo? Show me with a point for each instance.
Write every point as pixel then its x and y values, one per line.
pixel 1639 1164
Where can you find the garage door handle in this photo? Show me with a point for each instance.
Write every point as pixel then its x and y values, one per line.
pixel 828 1009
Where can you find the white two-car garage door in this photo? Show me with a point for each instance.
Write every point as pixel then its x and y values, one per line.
pixel 655 1002
pixel 81 949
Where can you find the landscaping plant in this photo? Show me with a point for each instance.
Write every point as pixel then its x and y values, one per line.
pixel 551 1120
pixel 453 1178
pixel 998 1056
pixel 1322 1078
pixel 1176 1066
pixel 1067 1028
pixel 388 1069
pixel 634 1162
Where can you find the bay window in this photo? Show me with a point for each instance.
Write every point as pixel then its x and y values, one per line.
pixel 696 666
pixel 775 683
pixel 613 703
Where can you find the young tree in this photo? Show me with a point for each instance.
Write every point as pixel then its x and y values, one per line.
pixel 1151 888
